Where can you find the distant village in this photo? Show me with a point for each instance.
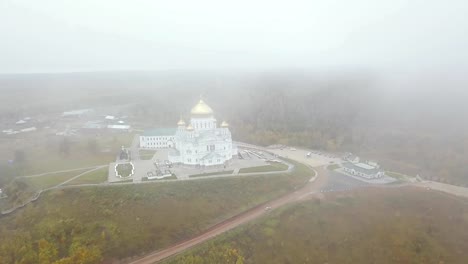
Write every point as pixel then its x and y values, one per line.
pixel 68 123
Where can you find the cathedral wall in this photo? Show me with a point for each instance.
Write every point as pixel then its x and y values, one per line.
pixel 155 142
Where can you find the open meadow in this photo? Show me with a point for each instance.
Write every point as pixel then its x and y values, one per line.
pixel 394 225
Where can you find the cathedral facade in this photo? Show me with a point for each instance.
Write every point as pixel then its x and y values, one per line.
pixel 200 142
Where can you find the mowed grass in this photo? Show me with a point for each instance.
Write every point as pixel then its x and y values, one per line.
pixel 50 180
pixel 276 166
pixel 212 173
pixel 404 225
pixel 128 220
pixel 93 177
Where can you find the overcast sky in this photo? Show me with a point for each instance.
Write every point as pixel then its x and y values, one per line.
pixel 90 35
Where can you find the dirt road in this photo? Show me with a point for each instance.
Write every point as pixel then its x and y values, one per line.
pixel 312 186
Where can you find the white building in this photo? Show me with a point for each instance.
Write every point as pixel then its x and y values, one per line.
pixel 363 170
pixel 201 142
pixel 158 138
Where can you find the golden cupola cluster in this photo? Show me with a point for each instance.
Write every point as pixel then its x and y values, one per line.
pixel 201 109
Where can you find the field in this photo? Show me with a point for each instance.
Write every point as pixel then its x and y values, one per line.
pixel 115 222
pixel 212 173
pixel 267 168
pixel 375 226
pixel 50 180
pixel 97 176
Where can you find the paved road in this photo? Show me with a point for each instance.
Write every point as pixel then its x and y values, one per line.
pixel 311 187
pixel 134 148
pixel 443 187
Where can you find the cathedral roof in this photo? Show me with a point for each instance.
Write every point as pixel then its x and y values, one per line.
pixel 201 109
pixel 224 124
pixel 169 131
pixel 190 127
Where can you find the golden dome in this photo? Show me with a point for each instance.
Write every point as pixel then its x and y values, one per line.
pixel 201 109
pixel 190 127
pixel 181 122
pixel 224 124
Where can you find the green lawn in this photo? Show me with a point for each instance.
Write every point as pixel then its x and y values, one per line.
pixel 50 180
pixel 275 166
pixel 116 222
pixel 406 225
pixel 211 173
pixel 97 176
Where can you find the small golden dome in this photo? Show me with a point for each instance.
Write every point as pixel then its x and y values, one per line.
pixel 181 122
pixel 224 124
pixel 201 109
pixel 190 127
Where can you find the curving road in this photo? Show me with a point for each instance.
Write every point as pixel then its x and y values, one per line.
pixel 313 186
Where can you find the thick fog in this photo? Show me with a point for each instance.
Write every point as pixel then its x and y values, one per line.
pixel 109 35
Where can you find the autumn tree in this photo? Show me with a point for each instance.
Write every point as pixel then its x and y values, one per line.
pixel 47 252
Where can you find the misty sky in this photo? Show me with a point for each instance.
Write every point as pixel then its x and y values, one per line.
pixel 89 35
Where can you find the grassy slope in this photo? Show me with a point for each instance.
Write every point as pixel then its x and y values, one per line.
pixel 97 176
pixel 126 220
pixel 50 180
pixel 376 226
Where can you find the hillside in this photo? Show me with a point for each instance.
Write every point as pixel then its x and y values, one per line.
pixel 117 222
pixel 375 226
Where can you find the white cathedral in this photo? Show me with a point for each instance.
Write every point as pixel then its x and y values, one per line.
pixel 201 142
